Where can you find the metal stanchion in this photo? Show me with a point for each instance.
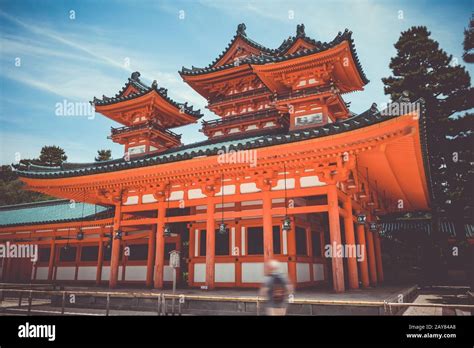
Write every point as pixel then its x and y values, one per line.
pixel 107 310
pixel 158 304
pixel 63 302
pixel 163 305
pixel 30 300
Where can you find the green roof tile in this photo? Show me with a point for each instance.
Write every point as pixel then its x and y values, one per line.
pixel 49 212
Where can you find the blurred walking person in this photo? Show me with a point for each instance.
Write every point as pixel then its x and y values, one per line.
pixel 275 289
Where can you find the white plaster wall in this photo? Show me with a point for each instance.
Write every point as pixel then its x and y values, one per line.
pixel 195 193
pixel 135 273
pixel 131 200
pixel 310 181
pixel 65 273
pixel 290 184
pixel 318 271
pixel 106 273
pixel 148 198
pixel 248 187
pixel 224 272
pixel 87 273
pixel 199 272
pixel 302 272
pixel 42 273
pixel 252 272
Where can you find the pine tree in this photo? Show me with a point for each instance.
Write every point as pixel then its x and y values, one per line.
pixel 52 156
pixel 103 155
pixel 423 69
pixel 468 43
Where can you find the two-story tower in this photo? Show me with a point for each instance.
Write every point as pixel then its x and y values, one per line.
pixel 147 114
pixel 295 86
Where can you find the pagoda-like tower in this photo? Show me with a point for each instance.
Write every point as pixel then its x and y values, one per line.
pixel 295 86
pixel 147 114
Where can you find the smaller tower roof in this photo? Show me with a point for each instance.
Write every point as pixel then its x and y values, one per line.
pixel 135 93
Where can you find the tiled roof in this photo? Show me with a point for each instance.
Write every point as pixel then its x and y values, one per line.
pixel 51 212
pixel 212 147
pixel 278 55
pixel 424 226
pixel 143 89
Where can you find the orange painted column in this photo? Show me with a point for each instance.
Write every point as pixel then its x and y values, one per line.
pixel 291 245
pixel 371 256
pixel 364 267
pixel 335 239
pixel 52 254
pixel 115 257
pixel 378 257
pixel 100 260
pixel 150 261
pixel 350 241
pixel 267 226
pixel 210 243
pixel 160 247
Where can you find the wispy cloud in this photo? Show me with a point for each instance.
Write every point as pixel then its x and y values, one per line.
pixel 72 79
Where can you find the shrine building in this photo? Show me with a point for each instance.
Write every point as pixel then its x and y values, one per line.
pixel 287 171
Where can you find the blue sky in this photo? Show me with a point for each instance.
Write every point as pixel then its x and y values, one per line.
pixel 76 59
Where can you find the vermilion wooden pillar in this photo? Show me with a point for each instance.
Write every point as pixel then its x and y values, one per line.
pixel 267 226
pixel 52 255
pixel 350 241
pixel 210 243
pixel 160 246
pixel 378 257
pixel 150 261
pixel 100 260
pixel 371 257
pixel 291 243
pixel 364 267
pixel 115 257
pixel 335 239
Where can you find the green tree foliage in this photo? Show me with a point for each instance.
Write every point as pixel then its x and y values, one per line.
pixel 12 191
pixel 103 155
pixel 52 156
pixel 423 69
pixel 468 43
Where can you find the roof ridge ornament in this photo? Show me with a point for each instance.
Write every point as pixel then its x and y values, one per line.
pixel 374 108
pixel 135 76
pixel 300 30
pixel 241 29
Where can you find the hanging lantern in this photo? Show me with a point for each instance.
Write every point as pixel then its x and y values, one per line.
pixel 167 231
pixel 362 194
pixel 286 224
pixel 361 219
pixel 371 202
pixel 351 182
pixel 66 247
pixel 118 234
pixel 222 228
pixel 80 235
